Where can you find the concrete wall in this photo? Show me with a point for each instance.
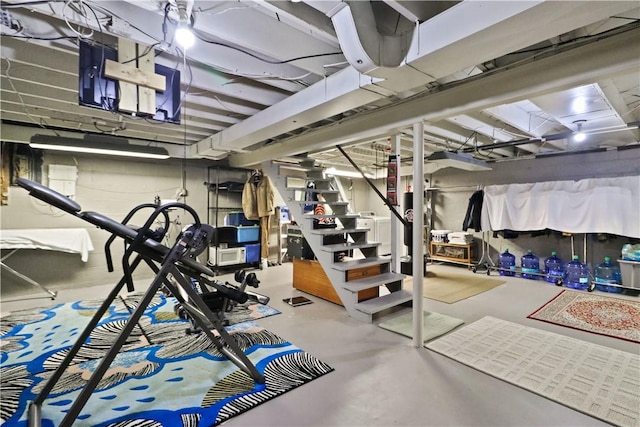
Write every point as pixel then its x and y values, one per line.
pixel 453 187
pixel 111 186
pixel 114 186
pixel 449 206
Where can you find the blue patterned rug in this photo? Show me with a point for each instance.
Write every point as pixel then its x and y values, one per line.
pixel 162 376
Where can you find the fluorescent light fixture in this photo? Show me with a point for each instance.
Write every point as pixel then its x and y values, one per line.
pixel 97 144
pixel 445 159
pixel 347 174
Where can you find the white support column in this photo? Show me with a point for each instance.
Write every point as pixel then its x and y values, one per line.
pixel 418 230
pixel 343 194
pixel 397 230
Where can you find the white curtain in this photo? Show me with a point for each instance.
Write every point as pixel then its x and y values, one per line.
pixel 597 205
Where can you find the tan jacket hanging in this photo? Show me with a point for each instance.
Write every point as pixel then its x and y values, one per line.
pixel 258 200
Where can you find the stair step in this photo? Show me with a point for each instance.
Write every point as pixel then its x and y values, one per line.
pixel 372 281
pixel 301 168
pixel 313 190
pixel 304 178
pixel 330 231
pixel 340 247
pixel 360 263
pixel 320 202
pixel 339 216
pixel 379 304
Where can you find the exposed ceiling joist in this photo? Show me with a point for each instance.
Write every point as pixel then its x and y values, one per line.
pixel 598 60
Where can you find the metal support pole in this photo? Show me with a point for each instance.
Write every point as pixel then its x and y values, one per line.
pixel 396 225
pixel 418 230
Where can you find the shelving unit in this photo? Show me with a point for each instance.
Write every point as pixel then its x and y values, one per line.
pixel 231 188
pixel 224 197
pixel 454 253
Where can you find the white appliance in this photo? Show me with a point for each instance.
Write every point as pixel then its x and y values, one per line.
pixel 227 256
pixel 379 230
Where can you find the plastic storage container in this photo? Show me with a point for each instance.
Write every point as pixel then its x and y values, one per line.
pixel 507 263
pixel 253 252
pixel 238 218
pixel 607 277
pixel 630 274
pixel 554 269
pixel 530 266
pixel 576 274
pixel 248 234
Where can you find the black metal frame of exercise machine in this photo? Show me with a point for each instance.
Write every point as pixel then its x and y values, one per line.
pixel 179 261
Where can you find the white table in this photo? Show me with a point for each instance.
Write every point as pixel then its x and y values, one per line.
pixel 70 240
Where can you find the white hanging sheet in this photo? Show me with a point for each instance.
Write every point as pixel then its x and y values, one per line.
pixel 72 240
pixel 596 205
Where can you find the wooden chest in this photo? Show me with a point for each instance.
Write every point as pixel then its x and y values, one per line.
pixel 309 277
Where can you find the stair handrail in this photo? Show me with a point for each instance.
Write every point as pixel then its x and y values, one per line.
pixel 372 185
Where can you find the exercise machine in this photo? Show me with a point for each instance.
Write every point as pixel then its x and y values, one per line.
pixel 175 268
pixel 217 303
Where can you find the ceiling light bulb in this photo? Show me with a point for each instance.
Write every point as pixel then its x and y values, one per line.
pixel 579 136
pixel 184 36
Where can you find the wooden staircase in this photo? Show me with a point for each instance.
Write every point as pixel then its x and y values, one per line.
pixel 291 182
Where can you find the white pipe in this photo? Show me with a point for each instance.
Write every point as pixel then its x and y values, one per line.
pixel 396 225
pixel 418 226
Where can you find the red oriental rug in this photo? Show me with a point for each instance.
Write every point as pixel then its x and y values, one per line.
pixel 595 313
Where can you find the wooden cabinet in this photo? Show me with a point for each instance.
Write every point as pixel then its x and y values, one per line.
pixel 362 273
pixel 309 277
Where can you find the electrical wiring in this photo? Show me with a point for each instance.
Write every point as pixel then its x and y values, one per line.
pixel 173 74
pixel 39 38
pixel 66 20
pixel 635 23
pixel 22 103
pixel 291 79
pixel 226 107
pixel 23 4
pixel 268 61
pixel 105 103
pixel 146 51
pixel 297 79
pixel 249 76
pixel 186 91
pixel 108 12
pixel 167 18
pixel 206 11
pixel 94 6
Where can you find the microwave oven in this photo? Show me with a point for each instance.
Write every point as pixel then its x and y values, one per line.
pixel 227 256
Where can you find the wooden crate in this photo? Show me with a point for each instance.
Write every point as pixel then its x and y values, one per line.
pixel 309 277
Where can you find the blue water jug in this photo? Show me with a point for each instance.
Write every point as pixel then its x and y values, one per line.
pixel 553 268
pixel 507 263
pixel 607 276
pixel 530 266
pixel 576 274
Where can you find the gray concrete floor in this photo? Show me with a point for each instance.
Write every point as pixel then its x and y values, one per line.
pixel 380 379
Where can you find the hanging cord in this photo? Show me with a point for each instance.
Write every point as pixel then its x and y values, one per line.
pixel 184 146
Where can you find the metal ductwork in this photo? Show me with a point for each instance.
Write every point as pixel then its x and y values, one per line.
pixel 467 34
pixel 361 42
